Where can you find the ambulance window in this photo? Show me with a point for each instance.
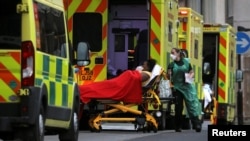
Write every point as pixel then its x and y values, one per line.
pixel 10 25
pixel 170 28
pixel 196 49
pixel 87 27
pixel 52 31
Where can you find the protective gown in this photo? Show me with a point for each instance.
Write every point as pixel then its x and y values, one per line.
pixel 188 90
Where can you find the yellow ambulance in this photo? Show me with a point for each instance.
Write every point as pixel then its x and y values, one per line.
pixel 38 93
pixel 219 46
pixel 112 28
pixel 190 35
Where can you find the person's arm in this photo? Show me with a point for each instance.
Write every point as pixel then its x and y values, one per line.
pixel 191 72
pixel 144 76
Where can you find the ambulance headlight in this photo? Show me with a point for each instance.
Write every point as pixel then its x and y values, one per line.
pixel 158 113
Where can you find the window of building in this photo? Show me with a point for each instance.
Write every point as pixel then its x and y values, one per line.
pixel 229 7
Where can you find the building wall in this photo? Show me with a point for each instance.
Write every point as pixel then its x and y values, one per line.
pixel 241 18
pixel 214 11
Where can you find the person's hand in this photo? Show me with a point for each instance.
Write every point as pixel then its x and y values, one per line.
pixel 191 74
pixel 139 68
pixel 189 78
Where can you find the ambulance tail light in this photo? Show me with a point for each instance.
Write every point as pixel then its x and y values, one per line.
pixel 183 12
pixel 27 63
pixel 222 111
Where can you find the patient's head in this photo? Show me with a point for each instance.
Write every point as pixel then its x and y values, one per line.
pixel 149 65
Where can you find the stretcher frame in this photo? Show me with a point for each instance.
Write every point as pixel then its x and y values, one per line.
pixel 142 119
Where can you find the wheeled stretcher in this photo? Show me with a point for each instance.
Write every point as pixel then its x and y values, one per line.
pixel 122 95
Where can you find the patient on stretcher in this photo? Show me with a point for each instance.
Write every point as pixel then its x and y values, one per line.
pixel 126 87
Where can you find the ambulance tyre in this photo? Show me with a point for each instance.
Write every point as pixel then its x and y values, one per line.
pixel 221 121
pixel 36 131
pixel 162 121
pixel 72 133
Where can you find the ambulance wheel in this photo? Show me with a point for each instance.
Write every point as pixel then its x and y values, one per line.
pixel 72 133
pixel 34 132
pixel 221 122
pixel 162 121
pixel 38 129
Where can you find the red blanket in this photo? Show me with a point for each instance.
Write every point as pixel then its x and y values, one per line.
pixel 126 87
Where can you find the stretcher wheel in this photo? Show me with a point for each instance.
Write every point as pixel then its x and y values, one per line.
pixel 96 130
pixel 155 129
pixel 144 130
pixel 91 129
pixel 99 130
pixel 150 127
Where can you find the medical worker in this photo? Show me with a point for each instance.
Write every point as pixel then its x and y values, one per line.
pixel 181 75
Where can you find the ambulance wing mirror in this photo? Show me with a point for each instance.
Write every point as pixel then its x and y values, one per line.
pixel 239 75
pixel 82 54
pixel 206 68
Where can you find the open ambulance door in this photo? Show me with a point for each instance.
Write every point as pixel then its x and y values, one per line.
pixel 128 20
pixel 87 27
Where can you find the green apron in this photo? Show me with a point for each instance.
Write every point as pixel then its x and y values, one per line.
pixel 188 90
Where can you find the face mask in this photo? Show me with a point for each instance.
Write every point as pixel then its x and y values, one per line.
pixel 173 56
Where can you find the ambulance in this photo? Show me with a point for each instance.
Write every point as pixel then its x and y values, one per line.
pixel 190 35
pixel 219 46
pixel 113 28
pixel 38 93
